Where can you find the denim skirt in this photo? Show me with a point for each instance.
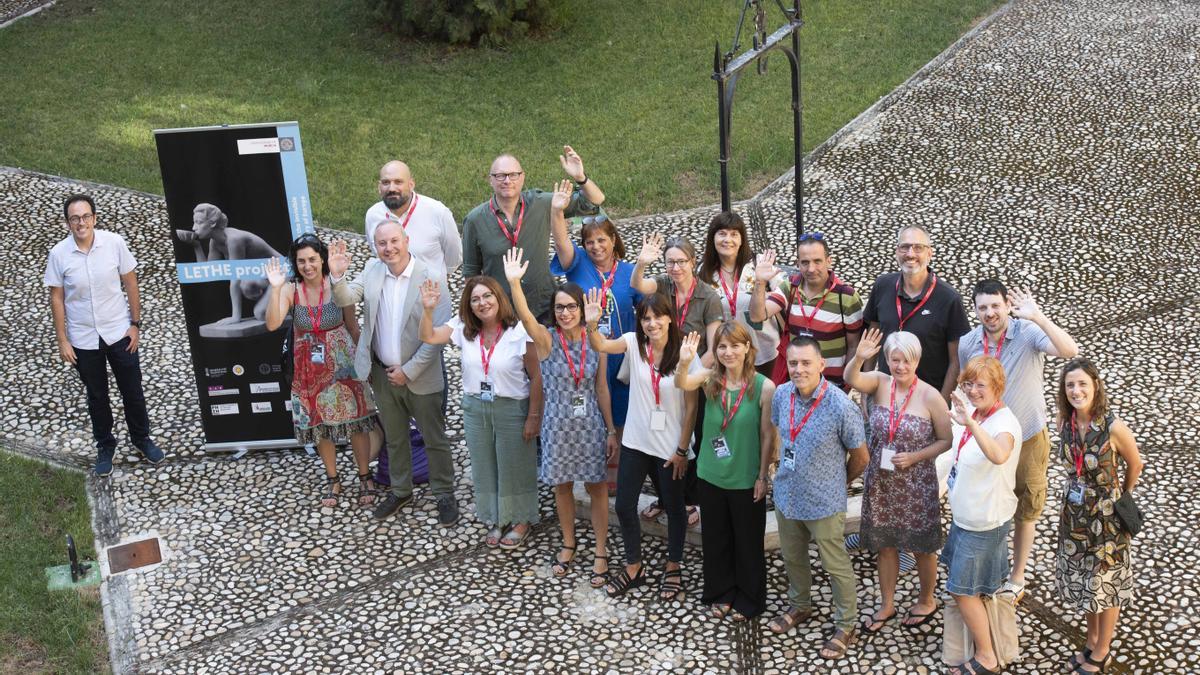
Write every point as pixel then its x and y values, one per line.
pixel 977 561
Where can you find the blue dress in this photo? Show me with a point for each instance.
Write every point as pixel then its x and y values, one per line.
pixel 573 447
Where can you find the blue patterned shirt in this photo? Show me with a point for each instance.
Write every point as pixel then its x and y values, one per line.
pixel 816 487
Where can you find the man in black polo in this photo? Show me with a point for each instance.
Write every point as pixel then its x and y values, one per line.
pixel 916 301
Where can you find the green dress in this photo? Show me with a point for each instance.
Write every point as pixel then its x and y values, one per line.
pixel 739 470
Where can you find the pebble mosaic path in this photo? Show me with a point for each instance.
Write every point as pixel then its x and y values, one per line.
pixel 1054 147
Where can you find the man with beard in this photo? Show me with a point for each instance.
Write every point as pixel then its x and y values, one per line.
pixel 432 233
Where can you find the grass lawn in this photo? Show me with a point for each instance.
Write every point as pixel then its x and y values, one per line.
pixel 627 83
pixel 40 631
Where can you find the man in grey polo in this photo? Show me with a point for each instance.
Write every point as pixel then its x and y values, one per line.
pixel 823 448
pixel 403 371
pixel 1013 329
pixel 518 218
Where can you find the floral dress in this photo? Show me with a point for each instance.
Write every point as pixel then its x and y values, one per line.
pixel 327 402
pixel 1093 571
pixel 901 508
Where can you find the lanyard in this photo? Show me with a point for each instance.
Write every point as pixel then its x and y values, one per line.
pixel 800 306
pixel 893 418
pixel 921 304
pixel 407 216
pixel 966 436
pixel 730 297
pixel 727 413
pixel 315 317
pixel 510 236
pixel 686 303
pixel 655 376
pixel 486 356
pixel 571 364
pixel 606 283
pixel 1077 456
pixel 999 343
pixel 793 430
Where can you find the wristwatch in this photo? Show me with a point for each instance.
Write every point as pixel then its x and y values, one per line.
pixel 136 324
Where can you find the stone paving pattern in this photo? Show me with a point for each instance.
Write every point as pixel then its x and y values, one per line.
pixel 12 9
pixel 1054 147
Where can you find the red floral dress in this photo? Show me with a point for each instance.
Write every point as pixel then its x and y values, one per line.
pixel 901 508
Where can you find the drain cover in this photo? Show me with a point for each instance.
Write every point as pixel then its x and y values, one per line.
pixel 133 555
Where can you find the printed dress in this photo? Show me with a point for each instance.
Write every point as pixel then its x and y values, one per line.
pixel 573 448
pixel 1093 570
pixel 901 508
pixel 327 402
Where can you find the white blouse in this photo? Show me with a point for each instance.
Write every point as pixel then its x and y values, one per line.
pixel 983 497
pixel 638 435
pixel 506 365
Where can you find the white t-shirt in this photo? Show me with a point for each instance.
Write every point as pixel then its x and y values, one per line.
pixel 641 405
pixel 432 233
pixel 983 495
pixel 766 336
pixel 506 365
pixel 92 293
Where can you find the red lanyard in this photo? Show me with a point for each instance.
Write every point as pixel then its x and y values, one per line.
pixel 730 297
pixel 967 431
pixel 486 356
pixel 686 303
pixel 655 376
pixel 571 364
pixel 315 317
pixel 793 430
pixel 407 216
pixel 921 304
pixel 893 418
pixel 800 306
pixel 510 236
pixel 606 284
pixel 999 343
pixel 1077 456
pixel 727 413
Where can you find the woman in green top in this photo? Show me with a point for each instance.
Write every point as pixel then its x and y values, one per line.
pixel 735 452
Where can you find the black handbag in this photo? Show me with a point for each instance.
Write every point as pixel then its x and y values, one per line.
pixel 1129 514
pixel 287 363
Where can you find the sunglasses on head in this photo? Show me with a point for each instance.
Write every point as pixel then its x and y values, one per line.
pixel 812 236
pixel 595 220
pixel 307 236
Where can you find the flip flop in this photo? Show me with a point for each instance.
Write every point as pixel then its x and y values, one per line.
pixel 652 512
pixel 693 514
pixel 923 618
pixel 871 620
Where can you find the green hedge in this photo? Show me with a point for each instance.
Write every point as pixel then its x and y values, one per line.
pixel 476 22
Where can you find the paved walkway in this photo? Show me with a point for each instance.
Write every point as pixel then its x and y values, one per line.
pixel 1054 147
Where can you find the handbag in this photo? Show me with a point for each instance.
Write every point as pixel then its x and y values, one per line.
pixel 1002 623
pixel 1129 514
pixel 287 362
pixel 957 647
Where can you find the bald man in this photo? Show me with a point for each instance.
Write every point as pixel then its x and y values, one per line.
pixel 432 233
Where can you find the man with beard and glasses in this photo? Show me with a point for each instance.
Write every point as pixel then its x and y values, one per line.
pixel 514 217
pixel 432 233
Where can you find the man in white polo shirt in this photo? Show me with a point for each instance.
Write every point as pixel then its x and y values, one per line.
pixel 432 233
pixel 94 323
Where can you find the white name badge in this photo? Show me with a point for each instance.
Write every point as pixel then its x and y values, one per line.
pixel 951 478
pixel 721 448
pixel 658 420
pixel 789 459
pixel 578 407
pixel 604 326
pixel 485 391
pixel 886 457
pixel 317 354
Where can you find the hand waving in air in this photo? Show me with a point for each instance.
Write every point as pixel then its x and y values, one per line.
pixel 339 259
pixel 275 274
pixel 1023 304
pixel 765 269
pixel 958 408
pixel 430 294
pixel 572 163
pixel 652 247
pixel 868 346
pixel 562 195
pixel 689 347
pixel 592 306
pixel 514 269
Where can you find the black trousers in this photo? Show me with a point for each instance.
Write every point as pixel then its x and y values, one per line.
pixel 631 473
pixel 127 370
pixel 691 495
pixel 735 567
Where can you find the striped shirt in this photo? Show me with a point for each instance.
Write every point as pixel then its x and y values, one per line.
pixel 840 315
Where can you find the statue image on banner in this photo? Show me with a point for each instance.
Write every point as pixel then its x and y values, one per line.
pixel 213 239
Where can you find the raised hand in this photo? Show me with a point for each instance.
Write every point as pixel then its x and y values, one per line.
pixel 592 306
pixel 765 269
pixel 868 345
pixel 562 195
pixel 958 408
pixel 339 259
pixel 689 347
pixel 514 269
pixel 1023 304
pixel 572 163
pixel 275 273
pixel 652 246
pixel 430 294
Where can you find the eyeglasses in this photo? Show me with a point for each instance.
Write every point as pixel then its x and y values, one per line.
pixel 915 248
pixel 85 218
pixel 506 177
pixel 566 309
pixel 677 263
pixel 968 386
pixel 811 236
pixel 595 220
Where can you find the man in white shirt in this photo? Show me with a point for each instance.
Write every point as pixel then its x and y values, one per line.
pixel 94 323
pixel 432 233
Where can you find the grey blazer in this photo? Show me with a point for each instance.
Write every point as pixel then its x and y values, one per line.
pixel 417 356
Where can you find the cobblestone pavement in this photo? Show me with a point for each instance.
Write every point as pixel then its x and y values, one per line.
pixel 1054 147
pixel 10 10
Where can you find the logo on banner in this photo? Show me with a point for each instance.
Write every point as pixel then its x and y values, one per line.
pixel 218 390
pixel 287 144
pixel 260 406
pixel 215 372
pixel 239 370
pixel 224 409
pixel 264 387
pixel 264 369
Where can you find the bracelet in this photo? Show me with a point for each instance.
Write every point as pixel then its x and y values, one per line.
pixel 583 182
pixel 612 433
pixel 682 452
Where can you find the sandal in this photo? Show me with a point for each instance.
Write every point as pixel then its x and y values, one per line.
pixel 837 645
pixel 1018 591
pixel 921 619
pixel 881 621
pixel 1075 661
pixel 1101 665
pixel 719 610
pixel 561 567
pixel 492 539
pixel 693 514
pixel 738 617
pixel 598 579
pixel 973 667
pixel 514 539
pixel 367 490
pixel 788 620
pixel 652 512
pixel 330 497
pixel 624 583
pixel 670 584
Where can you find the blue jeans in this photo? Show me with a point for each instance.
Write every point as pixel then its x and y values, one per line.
pixel 635 465
pixel 128 372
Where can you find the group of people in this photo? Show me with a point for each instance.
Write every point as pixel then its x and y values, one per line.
pixel 724 380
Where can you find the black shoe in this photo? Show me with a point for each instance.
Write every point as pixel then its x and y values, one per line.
pixel 150 451
pixel 447 509
pixel 392 504
pixel 104 461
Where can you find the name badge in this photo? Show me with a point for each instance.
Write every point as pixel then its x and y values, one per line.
pixel 885 458
pixel 317 354
pixel 803 334
pixel 950 479
pixel 789 459
pixel 658 420
pixel 486 392
pixel 1075 493
pixel 604 326
pixel 721 448
pixel 578 407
